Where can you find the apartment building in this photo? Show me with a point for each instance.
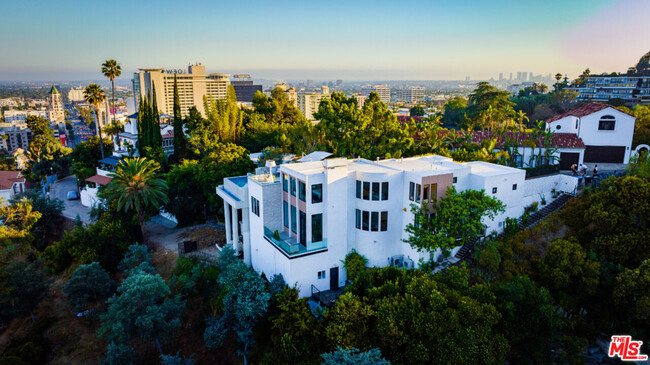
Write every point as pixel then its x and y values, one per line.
pixel 301 219
pixel 409 95
pixel 192 86
pixel 632 89
pixel 19 116
pixel 18 136
pixel 76 95
pixel 382 90
pixel 308 102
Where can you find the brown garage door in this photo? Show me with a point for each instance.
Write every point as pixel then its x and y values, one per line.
pixel 605 154
pixel 567 159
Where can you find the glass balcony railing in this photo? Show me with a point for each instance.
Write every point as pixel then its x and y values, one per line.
pixel 289 245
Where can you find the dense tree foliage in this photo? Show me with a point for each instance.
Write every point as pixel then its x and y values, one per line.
pixel 452 220
pixel 89 285
pixel 370 132
pixel 142 308
pixel 45 153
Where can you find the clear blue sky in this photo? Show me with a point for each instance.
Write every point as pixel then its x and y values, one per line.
pixel 332 39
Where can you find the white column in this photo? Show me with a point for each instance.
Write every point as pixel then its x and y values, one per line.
pixel 235 230
pixel 226 212
pixel 246 245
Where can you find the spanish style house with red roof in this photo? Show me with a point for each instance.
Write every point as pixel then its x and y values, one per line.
pixel 605 131
pixel 11 183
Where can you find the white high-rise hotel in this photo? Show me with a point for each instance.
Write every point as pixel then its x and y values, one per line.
pixel 192 86
pixel 303 218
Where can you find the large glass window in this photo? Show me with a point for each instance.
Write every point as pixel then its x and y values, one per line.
pixel 303 228
pixel 285 182
pixel 317 193
pixel 358 189
pixel 358 219
pixel 366 190
pixel 374 221
pixel 418 188
pixel 411 191
pixel 293 219
pixel 293 185
pixel 375 191
pixel 433 192
pixel 384 191
pixel 255 206
pixel 425 193
pixel 365 220
pixel 384 221
pixel 316 227
pixel 301 190
pixel 286 214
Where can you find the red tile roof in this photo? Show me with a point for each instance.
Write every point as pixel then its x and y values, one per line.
pixel 170 134
pixel 8 178
pixel 406 118
pixel 584 111
pixel 559 140
pixel 99 179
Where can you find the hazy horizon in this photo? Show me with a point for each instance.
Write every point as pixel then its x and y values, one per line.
pixel 381 40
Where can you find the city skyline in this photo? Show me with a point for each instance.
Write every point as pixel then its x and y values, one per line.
pixel 414 40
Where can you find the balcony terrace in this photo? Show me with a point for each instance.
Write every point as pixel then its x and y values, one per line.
pixel 292 248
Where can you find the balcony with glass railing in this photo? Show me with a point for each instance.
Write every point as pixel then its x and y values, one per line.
pixel 290 246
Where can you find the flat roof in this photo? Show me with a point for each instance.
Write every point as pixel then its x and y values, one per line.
pixel 489 169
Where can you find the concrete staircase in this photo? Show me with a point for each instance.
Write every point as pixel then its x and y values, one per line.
pixel 534 218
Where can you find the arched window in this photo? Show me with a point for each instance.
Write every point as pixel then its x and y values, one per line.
pixel 606 123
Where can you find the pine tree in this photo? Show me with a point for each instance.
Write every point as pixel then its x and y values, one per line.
pixel 179 136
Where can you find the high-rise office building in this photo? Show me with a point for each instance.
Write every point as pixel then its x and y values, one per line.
pixel 339 82
pixel 192 87
pixel 382 90
pixel 244 88
pixel 511 76
pixel 500 76
pixel 76 95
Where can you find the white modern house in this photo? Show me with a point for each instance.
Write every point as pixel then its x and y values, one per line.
pixel 301 219
pixel 605 130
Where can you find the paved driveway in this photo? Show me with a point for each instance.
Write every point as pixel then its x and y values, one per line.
pixel 59 190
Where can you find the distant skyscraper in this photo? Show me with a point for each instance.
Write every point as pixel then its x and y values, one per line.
pixel 310 83
pixel 339 82
pixel 55 106
pixel 511 76
pixel 309 102
pixel 467 78
pixel 530 76
pixel 500 76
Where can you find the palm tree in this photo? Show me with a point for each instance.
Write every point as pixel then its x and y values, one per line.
pixel 94 95
pixel 111 69
pixel 135 186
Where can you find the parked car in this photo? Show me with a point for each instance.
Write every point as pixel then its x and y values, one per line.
pixel 72 195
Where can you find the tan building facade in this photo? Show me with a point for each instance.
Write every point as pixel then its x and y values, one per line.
pixel 192 86
pixel 55 106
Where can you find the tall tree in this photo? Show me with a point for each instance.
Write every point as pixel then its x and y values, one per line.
pixel 94 95
pixel 489 105
pixel 135 186
pixel 141 309
pixel 452 220
pixel 89 285
pixel 179 135
pixel 111 69
pixel 370 132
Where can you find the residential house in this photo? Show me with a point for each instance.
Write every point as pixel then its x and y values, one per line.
pixel 11 183
pixel 301 219
pixel 605 130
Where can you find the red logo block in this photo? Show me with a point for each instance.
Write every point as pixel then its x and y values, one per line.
pixel 627 349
